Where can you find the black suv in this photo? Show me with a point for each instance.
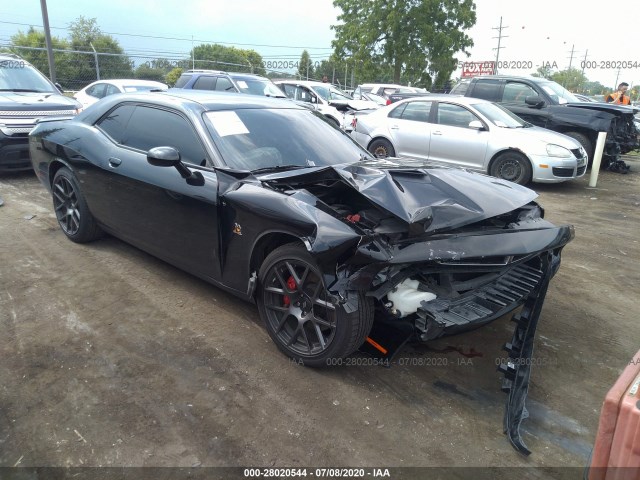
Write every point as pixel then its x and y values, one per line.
pixel 26 95
pixel 229 82
pixel 547 104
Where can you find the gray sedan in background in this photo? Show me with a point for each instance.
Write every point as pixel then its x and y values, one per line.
pixel 471 133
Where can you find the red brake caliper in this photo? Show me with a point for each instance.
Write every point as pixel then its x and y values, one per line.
pixel 291 285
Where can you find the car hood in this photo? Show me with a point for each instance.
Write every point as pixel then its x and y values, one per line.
pixel 605 107
pixel 416 192
pixel 541 134
pixel 36 101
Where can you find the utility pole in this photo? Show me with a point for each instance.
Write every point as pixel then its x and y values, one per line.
pixel 193 55
pixel 571 57
pixel 47 36
pixel 499 37
pixel 585 60
pixel 95 56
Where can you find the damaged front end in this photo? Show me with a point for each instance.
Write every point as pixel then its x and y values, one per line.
pixel 443 251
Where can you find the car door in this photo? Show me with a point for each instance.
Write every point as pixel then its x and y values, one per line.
pixel 410 130
pixel 153 207
pixel 513 98
pixel 453 141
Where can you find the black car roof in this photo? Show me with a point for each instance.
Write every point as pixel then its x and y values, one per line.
pixel 186 99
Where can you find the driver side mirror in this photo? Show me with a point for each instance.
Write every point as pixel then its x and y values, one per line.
pixel 534 101
pixel 59 87
pixel 170 157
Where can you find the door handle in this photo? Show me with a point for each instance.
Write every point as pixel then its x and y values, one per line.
pixel 115 162
pixel 437 132
pixel 394 127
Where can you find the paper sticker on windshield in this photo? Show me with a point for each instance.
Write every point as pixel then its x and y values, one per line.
pixel 227 123
pixel 242 84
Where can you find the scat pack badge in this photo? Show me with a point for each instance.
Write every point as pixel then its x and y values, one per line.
pixel 237 229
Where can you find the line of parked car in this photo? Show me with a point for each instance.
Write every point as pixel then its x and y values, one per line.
pixel 496 125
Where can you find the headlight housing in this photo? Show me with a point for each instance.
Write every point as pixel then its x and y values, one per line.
pixel 558 151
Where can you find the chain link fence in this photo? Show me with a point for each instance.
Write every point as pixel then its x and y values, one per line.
pixel 76 69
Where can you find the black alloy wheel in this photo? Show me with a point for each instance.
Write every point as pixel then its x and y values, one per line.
pixel 299 314
pixel 71 210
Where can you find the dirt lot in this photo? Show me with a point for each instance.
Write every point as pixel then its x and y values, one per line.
pixel 112 358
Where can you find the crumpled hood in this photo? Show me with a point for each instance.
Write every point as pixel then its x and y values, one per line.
pixel 413 191
pixel 36 101
pixel 605 107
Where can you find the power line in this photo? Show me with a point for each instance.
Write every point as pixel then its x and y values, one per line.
pixel 179 38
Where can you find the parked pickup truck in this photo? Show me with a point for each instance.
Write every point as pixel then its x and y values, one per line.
pixel 547 104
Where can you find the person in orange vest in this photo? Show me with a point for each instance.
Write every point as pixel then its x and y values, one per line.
pixel 618 97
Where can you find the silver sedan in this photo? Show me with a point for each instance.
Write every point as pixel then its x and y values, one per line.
pixel 471 133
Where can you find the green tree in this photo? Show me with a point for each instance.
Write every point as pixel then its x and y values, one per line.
pixel 85 35
pixel 416 39
pixel 172 77
pixel 221 57
pixel 572 79
pixel 305 66
pixel 35 39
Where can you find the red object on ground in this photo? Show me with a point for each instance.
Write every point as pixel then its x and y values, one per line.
pixel 353 218
pixel 616 452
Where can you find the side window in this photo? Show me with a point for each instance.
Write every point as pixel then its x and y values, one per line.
pixel 454 115
pixel 152 127
pixel 111 90
pixel 516 92
pixel 224 85
pixel 461 88
pixel 304 94
pixel 417 111
pixel 205 83
pixel 397 112
pixel 486 89
pixel 182 81
pixel 289 90
pixel 97 90
pixel 115 122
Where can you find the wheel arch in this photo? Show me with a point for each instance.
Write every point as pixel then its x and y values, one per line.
pixel 380 136
pixel 265 244
pixel 507 150
pixel 55 165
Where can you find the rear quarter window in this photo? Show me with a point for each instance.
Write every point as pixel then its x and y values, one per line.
pixel 182 81
pixel 486 90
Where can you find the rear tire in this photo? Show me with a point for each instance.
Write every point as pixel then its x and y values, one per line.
pixel 382 148
pixel 512 166
pixel 71 209
pixel 299 315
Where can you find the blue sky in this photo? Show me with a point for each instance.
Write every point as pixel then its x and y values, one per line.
pixel 541 31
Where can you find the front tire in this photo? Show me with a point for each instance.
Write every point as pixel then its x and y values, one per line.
pixel 71 209
pixel 382 148
pixel 300 317
pixel 585 142
pixel 512 166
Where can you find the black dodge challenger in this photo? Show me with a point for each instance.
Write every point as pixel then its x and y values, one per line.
pixel 271 202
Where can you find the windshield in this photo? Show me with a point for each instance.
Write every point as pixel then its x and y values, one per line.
pixel 329 93
pixel 500 116
pixel 259 87
pixel 19 75
pixel 558 93
pixel 372 97
pixel 251 139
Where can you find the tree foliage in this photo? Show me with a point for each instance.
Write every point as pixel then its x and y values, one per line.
pixel 305 66
pixel 412 39
pixel 572 79
pixel 221 57
pixel 172 77
pixel 75 70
